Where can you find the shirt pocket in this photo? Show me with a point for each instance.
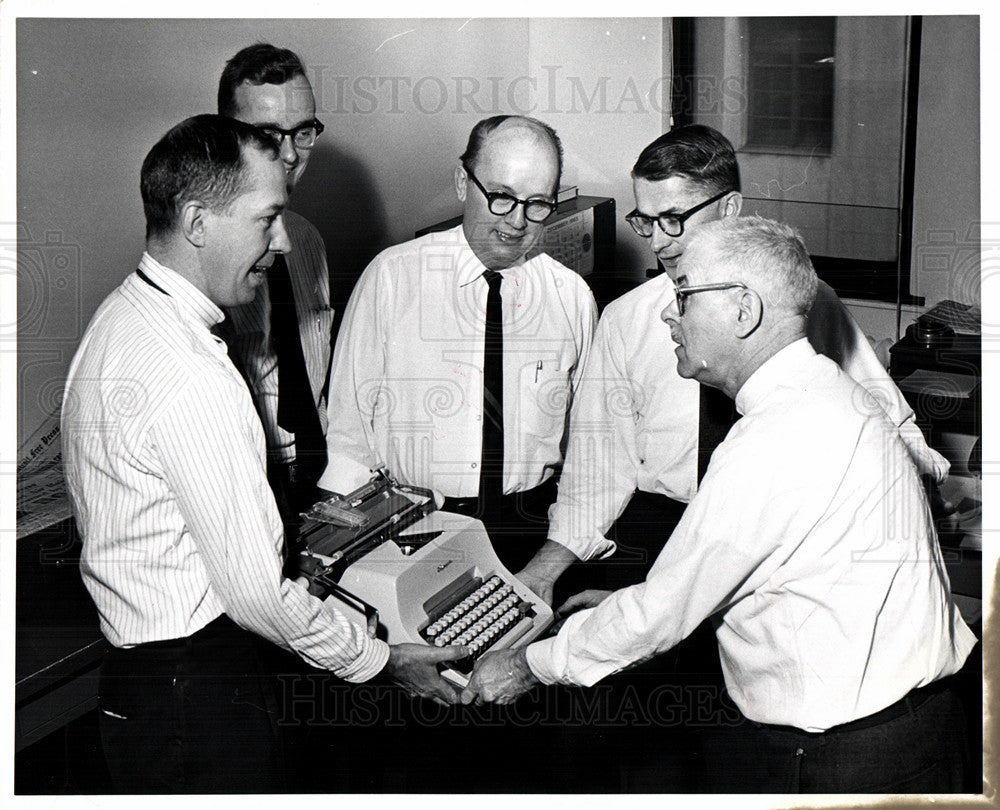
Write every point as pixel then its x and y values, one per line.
pixel 544 394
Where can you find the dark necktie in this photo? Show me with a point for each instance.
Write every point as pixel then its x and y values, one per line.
pixel 716 414
pixel 491 470
pixel 296 406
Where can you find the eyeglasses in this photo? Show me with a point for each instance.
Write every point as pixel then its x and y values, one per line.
pixel 501 204
pixel 303 136
pixel 682 293
pixel 672 224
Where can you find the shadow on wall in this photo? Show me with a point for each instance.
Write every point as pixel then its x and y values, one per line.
pixel 338 195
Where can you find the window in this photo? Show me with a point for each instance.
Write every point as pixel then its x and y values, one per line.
pixel 790 83
pixel 819 110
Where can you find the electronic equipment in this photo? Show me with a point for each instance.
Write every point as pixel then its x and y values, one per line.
pixel 414 574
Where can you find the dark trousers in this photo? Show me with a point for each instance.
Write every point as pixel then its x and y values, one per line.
pixel 520 525
pixel 191 715
pixel 294 488
pixel 917 745
pixel 640 534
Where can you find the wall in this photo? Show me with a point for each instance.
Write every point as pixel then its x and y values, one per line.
pixel 946 217
pixel 398 98
pixel 946 212
pixel 945 258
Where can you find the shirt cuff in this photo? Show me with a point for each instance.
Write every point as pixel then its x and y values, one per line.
pixel 928 460
pixel 369 663
pixel 590 548
pixel 539 657
pixel 343 475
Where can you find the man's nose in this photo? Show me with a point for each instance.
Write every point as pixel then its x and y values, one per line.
pixel 659 239
pixel 287 151
pixel 516 218
pixel 280 243
pixel 670 313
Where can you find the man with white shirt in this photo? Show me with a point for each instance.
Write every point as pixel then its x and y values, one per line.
pixel 281 340
pixel 809 542
pixel 640 435
pixel 459 351
pixel 165 466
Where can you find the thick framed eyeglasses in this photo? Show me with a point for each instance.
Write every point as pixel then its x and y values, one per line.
pixel 501 203
pixel 672 224
pixel 681 293
pixel 303 136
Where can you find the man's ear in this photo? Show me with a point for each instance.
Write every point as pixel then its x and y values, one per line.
pixel 749 314
pixel 731 204
pixel 192 222
pixel 461 179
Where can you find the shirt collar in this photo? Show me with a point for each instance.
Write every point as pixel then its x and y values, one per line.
pixel 469 268
pixel 182 291
pixel 774 372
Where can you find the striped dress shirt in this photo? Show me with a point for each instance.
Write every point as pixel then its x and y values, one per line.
pixel 165 466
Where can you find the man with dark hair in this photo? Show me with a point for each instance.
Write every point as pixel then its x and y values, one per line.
pixel 809 542
pixel 424 385
pixel 165 467
pixel 640 435
pixel 281 340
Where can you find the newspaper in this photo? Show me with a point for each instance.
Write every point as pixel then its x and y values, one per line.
pixel 42 499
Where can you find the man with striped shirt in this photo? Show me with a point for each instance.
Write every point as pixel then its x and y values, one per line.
pixel 165 466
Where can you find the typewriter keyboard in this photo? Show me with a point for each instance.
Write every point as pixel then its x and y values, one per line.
pixel 480 618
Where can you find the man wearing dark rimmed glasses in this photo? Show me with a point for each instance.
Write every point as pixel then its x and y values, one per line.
pixel 631 392
pixel 281 340
pixel 419 384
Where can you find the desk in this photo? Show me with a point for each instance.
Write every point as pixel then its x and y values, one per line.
pixel 58 646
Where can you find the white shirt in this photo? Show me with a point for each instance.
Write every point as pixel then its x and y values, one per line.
pixel 811 541
pixel 406 384
pixel 164 457
pixel 248 333
pixel 634 423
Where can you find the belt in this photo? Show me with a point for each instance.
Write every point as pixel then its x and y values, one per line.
pixel 907 704
pixel 219 627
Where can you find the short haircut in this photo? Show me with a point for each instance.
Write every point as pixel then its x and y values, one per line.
pixel 257 64
pixel 767 256
pixel 482 130
pixel 700 153
pixel 202 158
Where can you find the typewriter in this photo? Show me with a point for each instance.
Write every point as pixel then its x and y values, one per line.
pixel 414 574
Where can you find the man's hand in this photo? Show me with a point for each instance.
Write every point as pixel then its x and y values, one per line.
pixel 542 571
pixel 414 667
pixel 499 677
pixel 578 601
pixel 943 512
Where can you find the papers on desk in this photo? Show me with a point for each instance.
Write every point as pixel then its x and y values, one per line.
pixel 965 319
pixel 939 383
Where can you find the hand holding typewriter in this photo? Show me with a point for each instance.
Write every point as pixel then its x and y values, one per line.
pixel 542 571
pixel 499 677
pixel 415 668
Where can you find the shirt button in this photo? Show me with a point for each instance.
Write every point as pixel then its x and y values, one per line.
pixel 473 465
pixel 799 752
